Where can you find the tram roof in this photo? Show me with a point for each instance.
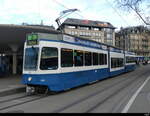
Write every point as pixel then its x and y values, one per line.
pixel 53 36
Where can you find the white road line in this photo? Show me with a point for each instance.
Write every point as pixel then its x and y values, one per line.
pixel 127 107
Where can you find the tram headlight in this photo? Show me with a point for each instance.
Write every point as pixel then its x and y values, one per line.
pixel 30 79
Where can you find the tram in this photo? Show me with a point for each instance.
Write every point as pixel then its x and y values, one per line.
pixel 58 62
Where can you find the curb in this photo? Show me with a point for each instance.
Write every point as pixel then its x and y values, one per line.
pixel 6 92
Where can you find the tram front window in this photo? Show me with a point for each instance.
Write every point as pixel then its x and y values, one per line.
pixel 31 58
pixel 49 58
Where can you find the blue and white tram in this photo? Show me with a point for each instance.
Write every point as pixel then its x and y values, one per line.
pixel 61 62
pixel 130 61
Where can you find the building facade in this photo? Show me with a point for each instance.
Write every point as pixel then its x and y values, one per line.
pixel 103 32
pixel 134 39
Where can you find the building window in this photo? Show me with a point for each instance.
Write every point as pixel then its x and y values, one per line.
pixel 109 42
pixel 69 32
pixel 96 29
pixel 89 34
pixel 81 33
pixel 109 36
pixel 72 32
pixel 76 33
pixel 84 33
pixel 97 35
pixel 107 30
pixel 84 28
pixel 94 34
pixel 71 27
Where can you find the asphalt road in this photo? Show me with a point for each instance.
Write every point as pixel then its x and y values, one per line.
pixel 123 93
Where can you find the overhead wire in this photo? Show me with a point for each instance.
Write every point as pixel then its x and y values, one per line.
pixel 117 12
pixel 62 5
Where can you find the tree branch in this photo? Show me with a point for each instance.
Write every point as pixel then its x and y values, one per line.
pixel 136 11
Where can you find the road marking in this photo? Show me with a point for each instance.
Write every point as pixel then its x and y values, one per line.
pixel 127 107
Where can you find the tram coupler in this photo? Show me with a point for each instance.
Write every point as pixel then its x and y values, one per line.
pixel 30 90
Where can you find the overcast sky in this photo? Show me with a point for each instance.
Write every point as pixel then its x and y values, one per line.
pixel 33 11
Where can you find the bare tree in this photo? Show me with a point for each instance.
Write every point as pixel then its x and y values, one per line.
pixel 134 5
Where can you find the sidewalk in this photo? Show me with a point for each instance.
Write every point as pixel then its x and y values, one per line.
pixel 10 84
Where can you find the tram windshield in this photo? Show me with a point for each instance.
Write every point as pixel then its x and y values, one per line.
pixel 49 58
pixel 31 58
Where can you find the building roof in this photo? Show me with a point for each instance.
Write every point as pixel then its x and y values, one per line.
pixel 44 27
pixel 88 23
pixel 11 35
pixel 134 29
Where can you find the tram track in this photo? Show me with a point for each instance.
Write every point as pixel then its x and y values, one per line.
pixel 112 95
pixel 31 99
pixel 12 102
pixel 127 82
pixel 11 99
pixel 7 100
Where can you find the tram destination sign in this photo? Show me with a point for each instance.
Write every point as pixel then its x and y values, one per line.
pixel 32 39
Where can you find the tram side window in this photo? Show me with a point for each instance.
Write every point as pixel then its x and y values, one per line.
pixel 102 59
pixel 105 59
pixel 78 57
pixel 88 58
pixel 49 58
pixel 133 60
pixel 95 58
pixel 113 63
pixel 116 62
pixel 127 60
pixel 120 62
pixel 66 58
pixel 130 60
